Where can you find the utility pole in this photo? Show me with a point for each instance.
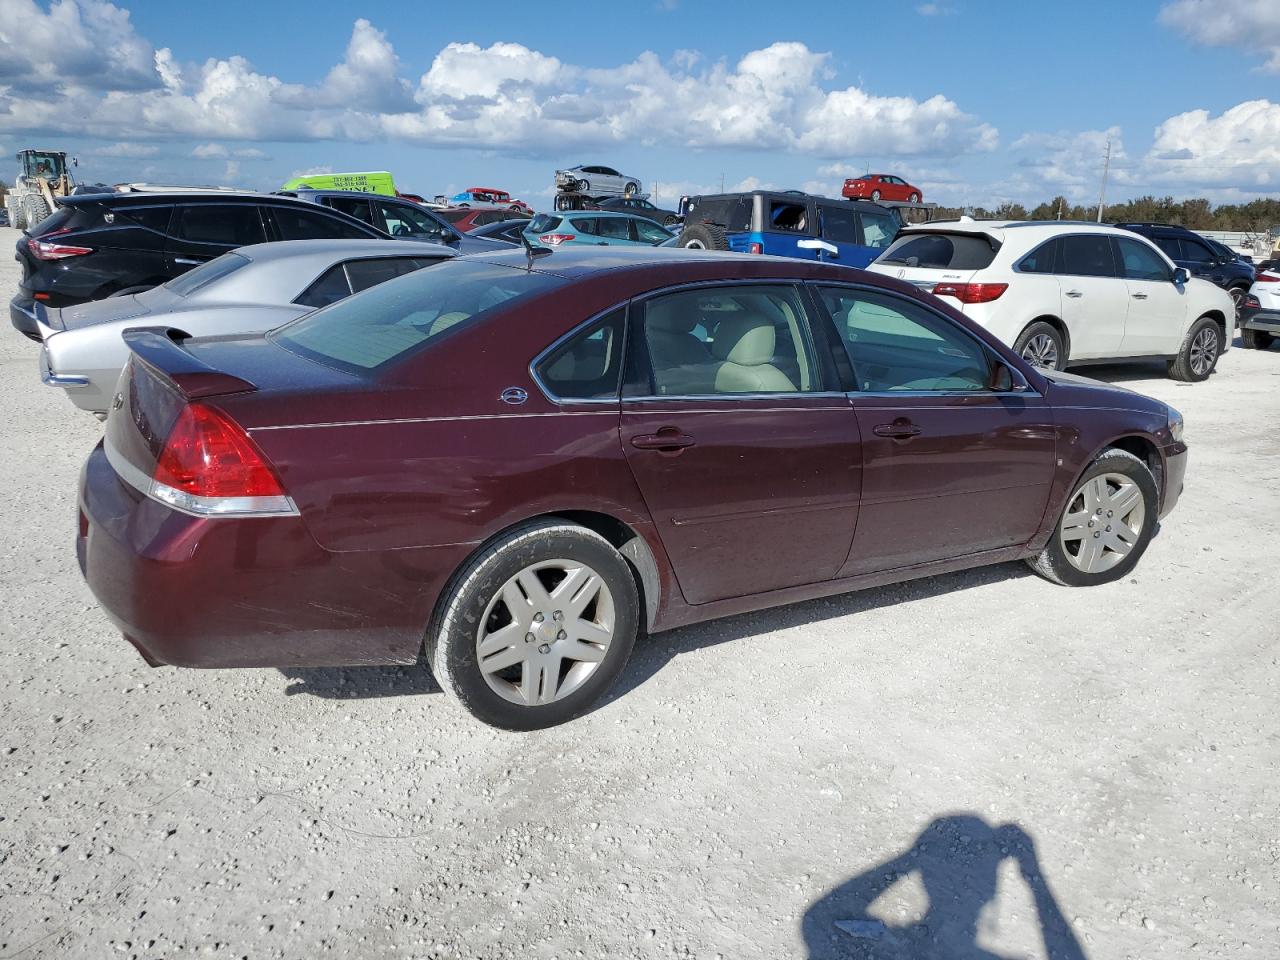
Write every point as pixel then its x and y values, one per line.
pixel 722 183
pixel 1106 168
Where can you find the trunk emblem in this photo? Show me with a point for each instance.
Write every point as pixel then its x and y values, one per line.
pixel 117 401
pixel 514 395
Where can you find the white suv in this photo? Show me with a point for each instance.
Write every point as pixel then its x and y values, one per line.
pixel 1064 294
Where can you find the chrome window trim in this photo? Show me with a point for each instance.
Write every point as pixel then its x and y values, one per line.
pixel 561 341
pixel 192 505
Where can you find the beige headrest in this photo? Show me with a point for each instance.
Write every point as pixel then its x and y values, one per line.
pixel 672 315
pixel 747 340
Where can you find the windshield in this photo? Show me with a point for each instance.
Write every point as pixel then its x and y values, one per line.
pixel 942 251
pixel 49 166
pixel 205 274
pixel 371 329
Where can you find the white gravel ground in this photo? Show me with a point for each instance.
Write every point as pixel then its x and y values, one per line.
pixel 734 799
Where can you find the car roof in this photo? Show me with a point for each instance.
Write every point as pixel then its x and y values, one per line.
pixel 615 214
pixel 577 262
pixel 311 192
pixel 1031 229
pixel 159 199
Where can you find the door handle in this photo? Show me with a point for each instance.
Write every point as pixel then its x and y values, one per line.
pixel 666 440
pixel 1138 296
pixel 900 429
pixel 1076 294
pixel 188 261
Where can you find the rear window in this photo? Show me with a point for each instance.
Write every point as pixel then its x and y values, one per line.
pixel 734 214
pixel 372 329
pixel 205 274
pixel 942 251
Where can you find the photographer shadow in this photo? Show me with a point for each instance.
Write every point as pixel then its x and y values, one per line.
pixel 957 859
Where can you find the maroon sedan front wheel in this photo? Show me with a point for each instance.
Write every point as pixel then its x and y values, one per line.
pixel 536 627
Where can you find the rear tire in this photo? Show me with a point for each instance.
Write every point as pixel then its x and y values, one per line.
pixel 1041 345
pixel 549 653
pixel 875 195
pixel 36 209
pixel 913 198
pixel 631 189
pixel 1102 531
pixel 1257 339
pixel 1199 353
pixel 703 236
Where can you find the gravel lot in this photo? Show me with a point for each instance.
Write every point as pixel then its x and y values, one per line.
pixel 735 799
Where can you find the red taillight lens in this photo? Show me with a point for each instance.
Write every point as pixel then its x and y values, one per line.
pixel 1251 301
pixel 44 250
pixel 555 239
pixel 1268 278
pixel 971 292
pixel 755 248
pixel 207 454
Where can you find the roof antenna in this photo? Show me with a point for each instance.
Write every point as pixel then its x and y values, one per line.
pixel 532 252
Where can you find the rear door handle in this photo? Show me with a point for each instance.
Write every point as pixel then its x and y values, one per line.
pixel 668 439
pixel 1139 296
pixel 1076 294
pixel 900 429
pixel 187 260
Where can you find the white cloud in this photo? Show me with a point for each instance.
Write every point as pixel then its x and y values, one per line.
pixel 935 10
pixel 505 96
pixel 89 43
pixel 1067 163
pixel 1238 148
pixel 131 151
pixel 219 151
pixel 1252 25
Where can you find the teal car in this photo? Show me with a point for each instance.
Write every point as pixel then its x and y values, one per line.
pixel 594 228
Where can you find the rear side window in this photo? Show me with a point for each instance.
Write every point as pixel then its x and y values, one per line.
pixel 614 228
pixel 330 287
pixel 941 251
pixel 734 214
pixel 589 365
pixel 384 324
pixel 544 222
pixel 1086 256
pixel 1196 251
pixel 228 225
pixel 153 218
pixel 878 228
pixel 1170 246
pixel 1041 259
pixel 585 224
pixel 205 274
pixel 788 217
pixel 343 279
pixel 314 225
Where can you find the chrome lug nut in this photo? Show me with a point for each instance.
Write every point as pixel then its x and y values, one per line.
pixel 558 615
pixel 538 618
pixel 561 635
pixel 544 648
pixel 529 638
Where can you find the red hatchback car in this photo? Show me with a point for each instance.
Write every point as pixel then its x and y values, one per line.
pixel 511 466
pixel 881 186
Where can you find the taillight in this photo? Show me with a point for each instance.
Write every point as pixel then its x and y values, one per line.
pixel 1268 278
pixel 44 250
pixel 755 248
pixel 1251 301
pixel 971 292
pixel 210 466
pixel 555 239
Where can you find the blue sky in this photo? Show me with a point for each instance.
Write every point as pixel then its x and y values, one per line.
pixel 977 102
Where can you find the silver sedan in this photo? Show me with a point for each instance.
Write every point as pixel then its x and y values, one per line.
pixel 250 290
pixel 598 181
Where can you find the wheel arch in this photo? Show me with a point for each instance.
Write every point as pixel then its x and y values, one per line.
pixel 1142 447
pixel 620 535
pixel 1220 319
pixel 1054 321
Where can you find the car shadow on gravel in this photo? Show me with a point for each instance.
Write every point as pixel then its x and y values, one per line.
pixel 1123 372
pixel 654 652
pixel 957 860
pixel 360 683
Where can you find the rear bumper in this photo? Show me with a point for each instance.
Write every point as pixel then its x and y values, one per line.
pixel 1175 471
pixel 22 314
pixel 247 592
pixel 1267 321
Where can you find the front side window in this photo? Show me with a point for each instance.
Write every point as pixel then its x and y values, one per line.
pixel 729 340
pixel 589 365
pixel 614 228
pixel 405 221
pixel 839 225
pixel 895 345
pixel 1141 262
pixel 227 225
pixel 1084 255
pixel 294 224
pixel 647 232
pixel 878 229
pixel 385 324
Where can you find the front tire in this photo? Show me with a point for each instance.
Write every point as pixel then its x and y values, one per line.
pixel 1041 345
pixel 875 195
pixel 537 627
pixel 913 198
pixel 17 214
pixel 1105 525
pixel 36 209
pixel 1199 353
pixel 1257 339
pixel 1237 295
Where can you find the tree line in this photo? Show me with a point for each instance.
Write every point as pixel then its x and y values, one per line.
pixel 1257 216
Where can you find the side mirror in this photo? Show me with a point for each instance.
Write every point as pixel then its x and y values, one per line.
pixel 1181 275
pixel 1004 379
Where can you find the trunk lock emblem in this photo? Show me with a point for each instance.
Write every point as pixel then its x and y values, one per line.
pixel 514 395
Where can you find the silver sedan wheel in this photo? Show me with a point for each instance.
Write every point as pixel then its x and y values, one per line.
pixel 1103 522
pixel 545 632
pixel 1204 351
pixel 1041 351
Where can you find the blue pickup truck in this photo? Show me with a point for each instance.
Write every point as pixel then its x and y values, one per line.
pixel 789 224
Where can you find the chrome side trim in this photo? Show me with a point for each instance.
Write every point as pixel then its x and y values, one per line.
pixel 67 381
pixel 192 505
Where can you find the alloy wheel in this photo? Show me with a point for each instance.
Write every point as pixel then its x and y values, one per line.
pixel 1041 351
pixel 1103 522
pixel 545 632
pixel 1204 351
pixel 1237 301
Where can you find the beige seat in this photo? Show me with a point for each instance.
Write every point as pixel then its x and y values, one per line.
pixel 682 364
pixel 745 346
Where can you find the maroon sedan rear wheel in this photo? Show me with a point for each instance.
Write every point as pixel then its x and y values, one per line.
pixel 536 627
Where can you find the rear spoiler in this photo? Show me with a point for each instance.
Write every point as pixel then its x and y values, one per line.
pixel 162 350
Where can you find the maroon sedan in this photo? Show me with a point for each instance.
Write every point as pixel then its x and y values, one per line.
pixel 511 466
